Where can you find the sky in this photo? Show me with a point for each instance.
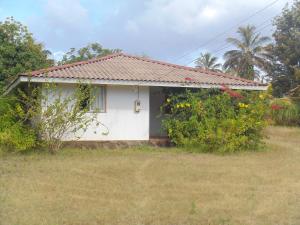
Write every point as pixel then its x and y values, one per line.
pixel 172 30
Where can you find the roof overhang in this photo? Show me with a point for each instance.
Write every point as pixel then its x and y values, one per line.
pixel 25 79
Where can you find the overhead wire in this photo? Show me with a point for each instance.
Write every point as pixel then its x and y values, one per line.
pixel 227 45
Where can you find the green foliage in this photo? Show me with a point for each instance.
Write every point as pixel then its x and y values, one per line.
pixel 210 121
pixel 285 112
pixel 286 50
pixel 89 52
pixel 208 61
pixel 14 134
pixel 55 114
pixel 250 55
pixel 19 52
pixel 45 115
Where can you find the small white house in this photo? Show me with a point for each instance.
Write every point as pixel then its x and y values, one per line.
pixel 130 91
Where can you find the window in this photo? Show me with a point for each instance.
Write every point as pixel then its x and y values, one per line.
pixel 99 97
pixel 96 94
pixel 85 95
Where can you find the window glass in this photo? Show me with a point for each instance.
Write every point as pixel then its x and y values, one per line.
pixel 98 95
pixel 84 103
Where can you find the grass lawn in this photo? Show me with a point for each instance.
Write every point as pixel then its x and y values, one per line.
pixel 156 186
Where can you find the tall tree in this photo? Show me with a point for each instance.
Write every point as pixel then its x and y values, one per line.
pixel 208 61
pixel 90 51
pixel 286 69
pixel 250 55
pixel 19 52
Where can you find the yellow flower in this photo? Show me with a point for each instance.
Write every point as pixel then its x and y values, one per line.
pixel 261 96
pixel 177 106
pixel 19 110
pixel 182 105
pixel 168 100
pixel 188 104
pixel 242 105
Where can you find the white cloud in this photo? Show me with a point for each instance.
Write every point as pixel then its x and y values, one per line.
pixel 209 13
pixel 63 24
pixel 180 15
pixel 69 14
pixel 173 27
pixel 58 55
pixel 162 29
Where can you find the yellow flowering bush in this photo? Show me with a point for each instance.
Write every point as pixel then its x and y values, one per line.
pixel 14 134
pixel 215 121
pixel 243 105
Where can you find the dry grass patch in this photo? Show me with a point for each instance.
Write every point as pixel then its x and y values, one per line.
pixel 155 186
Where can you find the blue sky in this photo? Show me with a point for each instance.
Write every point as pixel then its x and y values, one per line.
pixel 161 29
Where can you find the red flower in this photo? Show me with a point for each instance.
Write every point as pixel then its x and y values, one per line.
pixel 231 93
pixel 276 107
pixel 224 88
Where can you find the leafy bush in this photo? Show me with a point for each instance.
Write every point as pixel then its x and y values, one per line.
pixel 45 116
pixel 285 112
pixel 14 134
pixel 211 121
pixel 57 115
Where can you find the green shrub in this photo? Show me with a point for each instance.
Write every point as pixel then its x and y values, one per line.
pixel 285 112
pixel 43 115
pixel 211 121
pixel 14 134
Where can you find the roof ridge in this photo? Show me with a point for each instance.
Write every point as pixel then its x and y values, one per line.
pixel 209 72
pixel 65 66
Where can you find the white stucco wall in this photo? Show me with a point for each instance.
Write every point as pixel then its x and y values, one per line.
pixel 122 121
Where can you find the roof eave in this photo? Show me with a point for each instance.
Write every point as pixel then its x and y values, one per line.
pixel 24 78
pixel 12 85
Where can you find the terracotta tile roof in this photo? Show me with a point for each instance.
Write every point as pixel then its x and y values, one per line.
pixel 125 67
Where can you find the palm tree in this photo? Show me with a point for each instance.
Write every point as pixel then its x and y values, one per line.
pixel 250 56
pixel 207 61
